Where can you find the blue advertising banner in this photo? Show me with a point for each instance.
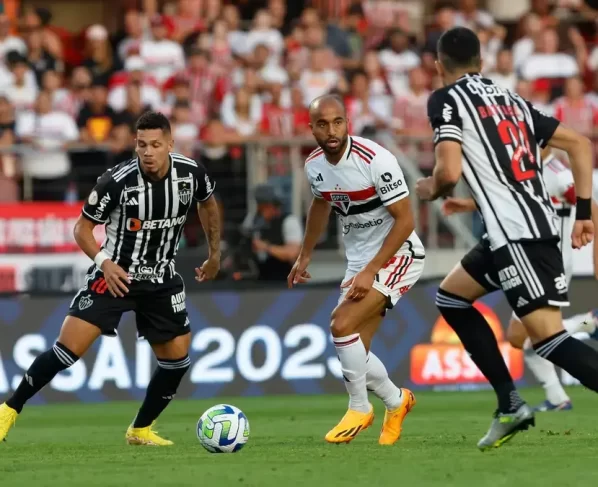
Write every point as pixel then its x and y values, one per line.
pixel 254 342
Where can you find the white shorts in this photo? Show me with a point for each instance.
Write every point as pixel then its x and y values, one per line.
pixel 394 280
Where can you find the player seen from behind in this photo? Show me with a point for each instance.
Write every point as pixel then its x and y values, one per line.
pixel 144 204
pixel 363 183
pixel 559 184
pixel 493 138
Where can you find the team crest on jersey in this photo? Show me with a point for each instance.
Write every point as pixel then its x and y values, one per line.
pixel 341 201
pixel 184 192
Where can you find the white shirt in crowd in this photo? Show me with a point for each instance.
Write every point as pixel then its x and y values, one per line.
pixel 557 65
pixel 11 43
pixel 506 81
pixel 271 38
pixel 50 132
pixel 480 18
pixel 162 58
pixel 522 50
pixel 230 119
pixel 397 66
pixel 150 96
pixel 314 84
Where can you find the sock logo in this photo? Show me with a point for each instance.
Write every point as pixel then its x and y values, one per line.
pixel 509 278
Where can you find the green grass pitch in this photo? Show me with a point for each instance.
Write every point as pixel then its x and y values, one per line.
pixel 83 445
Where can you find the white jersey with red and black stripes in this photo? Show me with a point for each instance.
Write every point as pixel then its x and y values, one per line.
pixel 558 179
pixel 359 187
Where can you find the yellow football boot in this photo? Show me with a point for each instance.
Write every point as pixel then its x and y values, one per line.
pixel 8 417
pixel 145 436
pixel 353 422
pixel 393 420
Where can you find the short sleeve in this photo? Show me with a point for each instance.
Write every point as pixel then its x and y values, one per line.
pixel 313 180
pixel 104 198
pixel 544 125
pixel 204 184
pixel 388 179
pixel 291 230
pixel 444 117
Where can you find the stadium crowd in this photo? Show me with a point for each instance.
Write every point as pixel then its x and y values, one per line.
pixel 231 72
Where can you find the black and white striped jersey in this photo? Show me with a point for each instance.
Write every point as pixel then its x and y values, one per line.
pixel 501 136
pixel 144 219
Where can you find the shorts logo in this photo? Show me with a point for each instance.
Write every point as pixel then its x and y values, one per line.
pixel 178 302
pixel 509 278
pixel 99 286
pixel 404 289
pixel 560 283
pixel 184 193
pixel 85 302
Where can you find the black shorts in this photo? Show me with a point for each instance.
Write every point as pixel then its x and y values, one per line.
pixel 160 309
pixel 531 274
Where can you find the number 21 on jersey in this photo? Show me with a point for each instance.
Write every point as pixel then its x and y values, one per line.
pixel 515 135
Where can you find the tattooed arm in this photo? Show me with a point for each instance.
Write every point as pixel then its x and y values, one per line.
pixel 210 221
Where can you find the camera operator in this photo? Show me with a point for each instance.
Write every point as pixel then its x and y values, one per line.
pixel 276 236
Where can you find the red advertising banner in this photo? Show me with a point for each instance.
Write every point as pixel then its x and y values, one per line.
pixel 40 227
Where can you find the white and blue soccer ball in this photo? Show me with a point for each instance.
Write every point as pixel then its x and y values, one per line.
pixel 223 429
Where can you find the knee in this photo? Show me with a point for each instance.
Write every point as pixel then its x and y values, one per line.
pixel 516 334
pixel 341 324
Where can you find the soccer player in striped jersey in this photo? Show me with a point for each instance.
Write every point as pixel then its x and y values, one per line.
pixel 144 204
pixel 559 183
pixel 493 138
pixel 364 185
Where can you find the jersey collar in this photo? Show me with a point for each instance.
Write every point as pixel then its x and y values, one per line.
pixel 470 75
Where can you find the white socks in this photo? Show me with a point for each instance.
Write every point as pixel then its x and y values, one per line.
pixel 545 372
pixel 378 382
pixel 353 356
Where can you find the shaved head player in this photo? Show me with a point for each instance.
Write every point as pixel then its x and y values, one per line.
pixel 363 183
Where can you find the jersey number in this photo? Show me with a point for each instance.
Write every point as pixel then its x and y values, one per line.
pixel 516 137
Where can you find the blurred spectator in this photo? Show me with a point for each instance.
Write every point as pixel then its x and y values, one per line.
pixel 504 75
pixel 98 53
pixel 219 45
pixel 547 62
pixel 470 16
pixel 123 133
pixel 397 61
pixel 364 110
pixel 150 94
pixel 524 46
pixel 444 19
pixel 181 93
pixel 237 37
pixel 575 109
pixel 184 131
pixel 244 114
pixel 21 91
pixel 410 118
pixel 7 42
pixel 377 82
pixel 276 236
pixel 490 45
pixel 46 163
pixel 39 19
pixel 96 121
pixel 187 19
pixel 162 56
pixel 130 44
pixel 262 32
pixel 9 190
pixel 39 59
pixel 542 9
pixel 318 79
pixel 72 100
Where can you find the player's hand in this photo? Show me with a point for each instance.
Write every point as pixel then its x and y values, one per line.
pixel 115 277
pixel 452 205
pixel 360 284
pixel 583 233
pixel 208 270
pixel 425 188
pixel 299 274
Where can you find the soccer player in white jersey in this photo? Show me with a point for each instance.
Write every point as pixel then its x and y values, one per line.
pixel 363 183
pixel 560 186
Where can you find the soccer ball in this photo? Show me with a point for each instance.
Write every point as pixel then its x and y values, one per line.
pixel 223 429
